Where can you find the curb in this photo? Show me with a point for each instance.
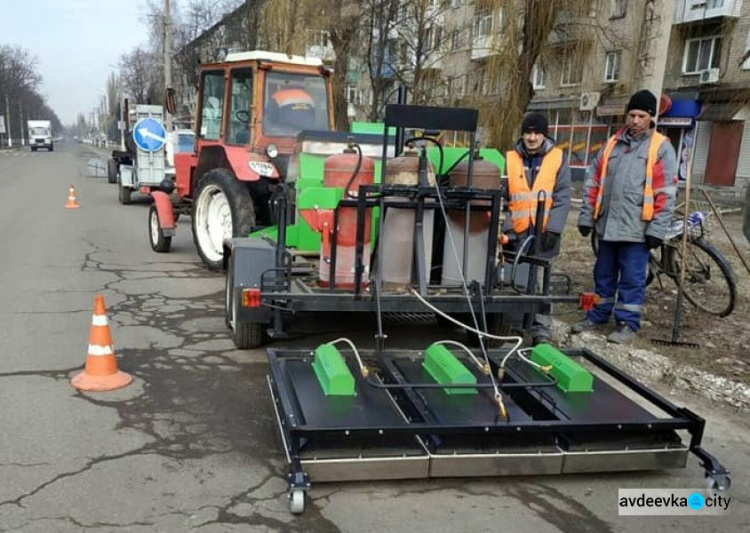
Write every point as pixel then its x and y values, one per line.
pixel 652 368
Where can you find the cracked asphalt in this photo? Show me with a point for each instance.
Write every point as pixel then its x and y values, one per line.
pixel 192 443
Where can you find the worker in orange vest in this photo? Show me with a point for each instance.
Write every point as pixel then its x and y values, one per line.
pixel 290 110
pixel 628 199
pixel 535 169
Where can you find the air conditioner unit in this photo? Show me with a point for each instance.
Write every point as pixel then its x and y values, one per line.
pixel 710 75
pixel 589 101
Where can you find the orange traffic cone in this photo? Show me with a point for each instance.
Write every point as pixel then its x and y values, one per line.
pixel 101 373
pixel 72 200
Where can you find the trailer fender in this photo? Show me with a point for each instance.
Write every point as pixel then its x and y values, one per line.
pixel 249 260
pixel 166 213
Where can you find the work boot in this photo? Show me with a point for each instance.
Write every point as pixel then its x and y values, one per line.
pixel 622 334
pixel 584 325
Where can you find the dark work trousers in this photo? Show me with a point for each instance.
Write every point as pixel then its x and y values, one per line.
pixel 620 282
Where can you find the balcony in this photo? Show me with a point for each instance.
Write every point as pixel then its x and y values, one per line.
pixel 483 46
pixel 692 11
pixel 325 53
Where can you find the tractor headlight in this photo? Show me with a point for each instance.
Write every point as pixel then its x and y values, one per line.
pixel 272 151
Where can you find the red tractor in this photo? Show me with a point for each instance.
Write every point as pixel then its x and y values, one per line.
pixel 250 110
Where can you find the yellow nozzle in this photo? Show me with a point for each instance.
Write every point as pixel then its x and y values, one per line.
pixel 486 369
pixel 365 372
pixel 546 368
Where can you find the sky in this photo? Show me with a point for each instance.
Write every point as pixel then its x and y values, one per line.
pixel 77 43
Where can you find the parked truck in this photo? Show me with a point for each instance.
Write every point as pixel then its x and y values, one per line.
pixel 40 135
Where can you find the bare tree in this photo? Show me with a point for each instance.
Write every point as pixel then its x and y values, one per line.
pixel 19 91
pixel 139 72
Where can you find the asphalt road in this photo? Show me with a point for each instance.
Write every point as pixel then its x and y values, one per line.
pixel 192 444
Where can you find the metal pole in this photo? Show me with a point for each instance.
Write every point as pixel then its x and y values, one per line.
pixel 683 253
pixel 167 60
pixel 7 118
pixel 20 122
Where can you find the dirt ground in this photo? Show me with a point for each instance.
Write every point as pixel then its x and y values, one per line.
pixel 724 342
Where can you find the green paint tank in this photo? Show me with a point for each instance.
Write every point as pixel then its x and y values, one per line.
pixel 398 224
pixel 485 175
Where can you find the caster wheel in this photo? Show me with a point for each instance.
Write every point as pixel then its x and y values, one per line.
pixel 297 501
pixel 720 482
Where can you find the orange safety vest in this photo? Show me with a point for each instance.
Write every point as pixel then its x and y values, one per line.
pixel 647 212
pixel 524 200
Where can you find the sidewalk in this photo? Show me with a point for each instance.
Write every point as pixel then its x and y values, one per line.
pixel 652 368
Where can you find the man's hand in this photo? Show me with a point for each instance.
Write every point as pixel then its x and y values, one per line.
pixel 585 230
pixel 653 242
pixel 549 240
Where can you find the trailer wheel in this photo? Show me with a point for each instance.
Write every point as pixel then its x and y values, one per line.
pixel 245 335
pixel 159 242
pixel 123 193
pixel 223 208
pixel 112 169
pixel 248 335
pixel 297 501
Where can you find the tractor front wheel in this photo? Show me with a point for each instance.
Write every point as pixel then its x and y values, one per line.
pixel 223 208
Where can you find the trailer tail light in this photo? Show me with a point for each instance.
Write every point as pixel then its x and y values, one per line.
pixel 250 297
pixel 588 301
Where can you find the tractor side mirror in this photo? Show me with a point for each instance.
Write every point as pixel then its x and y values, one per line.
pixel 169 101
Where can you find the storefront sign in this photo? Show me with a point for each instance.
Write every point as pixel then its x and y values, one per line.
pixel 610 110
pixel 680 122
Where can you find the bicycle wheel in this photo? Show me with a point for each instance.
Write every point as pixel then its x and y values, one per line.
pixel 710 284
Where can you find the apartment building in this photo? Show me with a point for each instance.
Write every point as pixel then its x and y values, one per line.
pixel 707 84
pixel 696 52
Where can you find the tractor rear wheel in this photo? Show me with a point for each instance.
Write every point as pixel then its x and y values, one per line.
pixel 223 208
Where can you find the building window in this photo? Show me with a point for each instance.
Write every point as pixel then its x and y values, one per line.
pixel 572 68
pixel 482 24
pixel 746 56
pixel 619 8
pixel 701 54
pixel 455 40
pixel 432 37
pixel 353 94
pixel 700 5
pixel 318 38
pixel 612 66
pixel 538 76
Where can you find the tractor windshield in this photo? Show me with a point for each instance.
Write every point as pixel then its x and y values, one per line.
pixel 294 102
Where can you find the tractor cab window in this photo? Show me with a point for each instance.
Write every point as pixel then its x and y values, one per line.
pixel 294 102
pixel 238 128
pixel 212 105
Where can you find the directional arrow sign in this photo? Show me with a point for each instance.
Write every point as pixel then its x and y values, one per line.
pixel 149 135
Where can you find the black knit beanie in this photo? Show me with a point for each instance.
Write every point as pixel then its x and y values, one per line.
pixel 643 101
pixel 535 122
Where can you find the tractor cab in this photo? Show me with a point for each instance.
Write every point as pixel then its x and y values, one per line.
pixel 262 100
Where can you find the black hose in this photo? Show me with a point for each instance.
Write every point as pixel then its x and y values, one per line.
pixel 356 171
pixel 436 143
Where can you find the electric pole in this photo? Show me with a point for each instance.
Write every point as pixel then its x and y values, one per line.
pixel 7 120
pixel 167 62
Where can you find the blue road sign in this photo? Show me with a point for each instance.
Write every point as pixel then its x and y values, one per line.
pixel 149 135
